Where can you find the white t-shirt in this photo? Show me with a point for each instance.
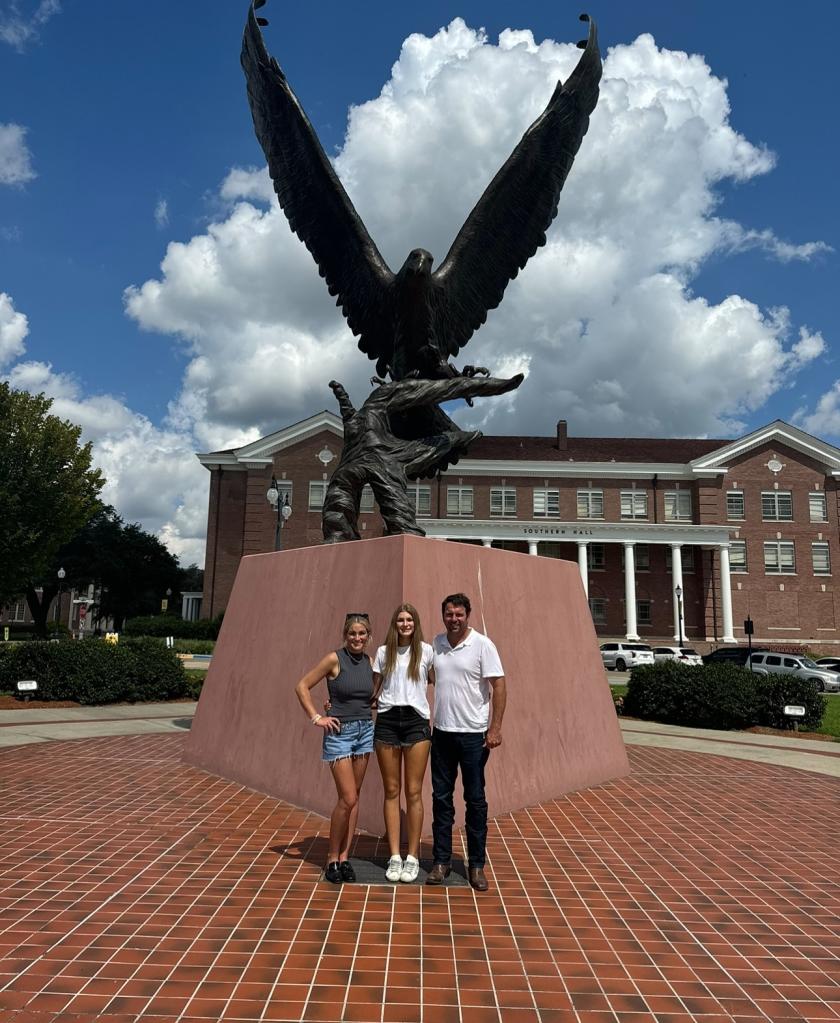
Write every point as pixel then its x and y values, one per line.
pixel 462 692
pixel 398 690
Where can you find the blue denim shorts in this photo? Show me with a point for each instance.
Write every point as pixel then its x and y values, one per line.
pixel 354 740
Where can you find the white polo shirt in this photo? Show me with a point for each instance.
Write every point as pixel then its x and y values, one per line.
pixel 398 690
pixel 462 692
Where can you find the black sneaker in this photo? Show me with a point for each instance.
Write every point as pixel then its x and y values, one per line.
pixel 347 871
pixel 333 873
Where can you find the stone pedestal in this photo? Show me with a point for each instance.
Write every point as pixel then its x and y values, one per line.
pixel 287 610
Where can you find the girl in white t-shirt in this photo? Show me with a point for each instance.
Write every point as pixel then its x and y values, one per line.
pixel 402 669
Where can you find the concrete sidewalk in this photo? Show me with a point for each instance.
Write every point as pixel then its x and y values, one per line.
pixel 19 727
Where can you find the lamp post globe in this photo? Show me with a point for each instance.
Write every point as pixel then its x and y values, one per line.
pixel 282 508
pixel 678 592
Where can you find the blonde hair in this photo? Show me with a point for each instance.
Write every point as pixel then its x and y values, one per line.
pixel 415 644
pixel 355 619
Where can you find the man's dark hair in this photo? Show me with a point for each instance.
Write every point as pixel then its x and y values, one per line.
pixel 459 600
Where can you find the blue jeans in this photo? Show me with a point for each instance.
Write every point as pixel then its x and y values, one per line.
pixel 450 751
pixel 354 740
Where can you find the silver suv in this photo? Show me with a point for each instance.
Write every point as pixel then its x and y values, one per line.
pixel 792 664
pixel 621 656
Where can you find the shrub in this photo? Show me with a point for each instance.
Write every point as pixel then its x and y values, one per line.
pixel 708 696
pixel 96 672
pixel 776 691
pixel 169 625
pixel 195 683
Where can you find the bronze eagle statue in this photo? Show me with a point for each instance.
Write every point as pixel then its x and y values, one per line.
pixel 411 322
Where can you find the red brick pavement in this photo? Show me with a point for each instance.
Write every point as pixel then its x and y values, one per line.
pixel 134 888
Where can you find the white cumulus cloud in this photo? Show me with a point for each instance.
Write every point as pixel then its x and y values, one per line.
pixel 19 28
pixel 15 157
pixel 13 330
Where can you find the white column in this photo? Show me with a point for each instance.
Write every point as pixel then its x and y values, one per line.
pixel 486 543
pixel 583 566
pixel 677 580
pixel 532 547
pixel 630 589
pixel 726 595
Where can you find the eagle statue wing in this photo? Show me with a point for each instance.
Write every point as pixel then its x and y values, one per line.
pixel 508 224
pixel 316 205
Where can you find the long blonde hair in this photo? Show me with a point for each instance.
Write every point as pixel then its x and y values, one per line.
pixel 415 644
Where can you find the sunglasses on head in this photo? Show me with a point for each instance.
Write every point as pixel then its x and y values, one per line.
pixel 357 614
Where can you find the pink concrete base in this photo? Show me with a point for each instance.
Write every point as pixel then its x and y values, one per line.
pixel 287 610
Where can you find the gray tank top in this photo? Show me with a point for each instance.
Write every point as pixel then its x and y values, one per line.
pixel 351 689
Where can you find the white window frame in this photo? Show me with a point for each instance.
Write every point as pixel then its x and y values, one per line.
pixel 678 506
pixel 593 563
pixel 367 502
pixel 588 501
pixel 739 566
pixel 421 497
pixel 549 498
pixel 634 504
pixel 504 499
pixel 734 516
pixel 777 564
pixel 823 548
pixel 776 514
pixel 462 499
pixel 823 510
pixel 17 611
pixel 643 611
pixel 316 487
pixel 598 610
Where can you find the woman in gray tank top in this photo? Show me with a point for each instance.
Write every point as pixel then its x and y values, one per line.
pixel 348 733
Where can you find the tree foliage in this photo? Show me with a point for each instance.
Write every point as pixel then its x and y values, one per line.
pixel 48 487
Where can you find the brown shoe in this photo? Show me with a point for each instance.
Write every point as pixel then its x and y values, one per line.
pixel 478 880
pixel 439 873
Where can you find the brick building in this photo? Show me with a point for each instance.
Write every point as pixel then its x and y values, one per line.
pixel 737 528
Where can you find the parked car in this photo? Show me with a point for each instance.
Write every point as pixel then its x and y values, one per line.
pixel 621 656
pixel 792 664
pixel 680 654
pixel 832 663
pixel 729 655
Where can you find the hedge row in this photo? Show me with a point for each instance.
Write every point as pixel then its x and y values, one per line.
pixel 96 672
pixel 719 696
pixel 169 625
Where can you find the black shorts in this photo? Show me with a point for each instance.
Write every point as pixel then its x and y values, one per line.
pixel 401 726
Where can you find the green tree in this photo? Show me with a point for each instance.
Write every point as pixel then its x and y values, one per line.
pixel 130 569
pixel 48 488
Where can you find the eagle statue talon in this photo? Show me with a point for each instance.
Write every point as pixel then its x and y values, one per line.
pixel 376 381
pixel 472 371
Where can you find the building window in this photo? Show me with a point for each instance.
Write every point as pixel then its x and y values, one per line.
pixel 598 610
pixel 678 506
pixel 821 558
pixel 779 558
pixel 634 504
pixel 421 496
pixel 459 501
pixel 643 612
pixel 816 505
pixel 546 503
pixel 735 504
pixel 777 506
pixel 687 554
pixel 641 561
pixel 366 504
pixel 502 501
pixel 317 493
pixel 738 556
pixel 17 611
pixel 595 557
pixel 590 504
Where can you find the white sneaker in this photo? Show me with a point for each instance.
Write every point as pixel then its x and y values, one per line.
pixel 410 870
pixel 395 869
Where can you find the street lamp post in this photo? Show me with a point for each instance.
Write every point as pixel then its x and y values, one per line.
pixel 61 574
pixel 283 510
pixel 678 593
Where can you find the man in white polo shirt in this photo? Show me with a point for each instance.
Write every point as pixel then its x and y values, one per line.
pixel 469 705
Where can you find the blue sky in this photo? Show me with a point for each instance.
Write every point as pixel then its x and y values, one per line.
pixel 129 119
